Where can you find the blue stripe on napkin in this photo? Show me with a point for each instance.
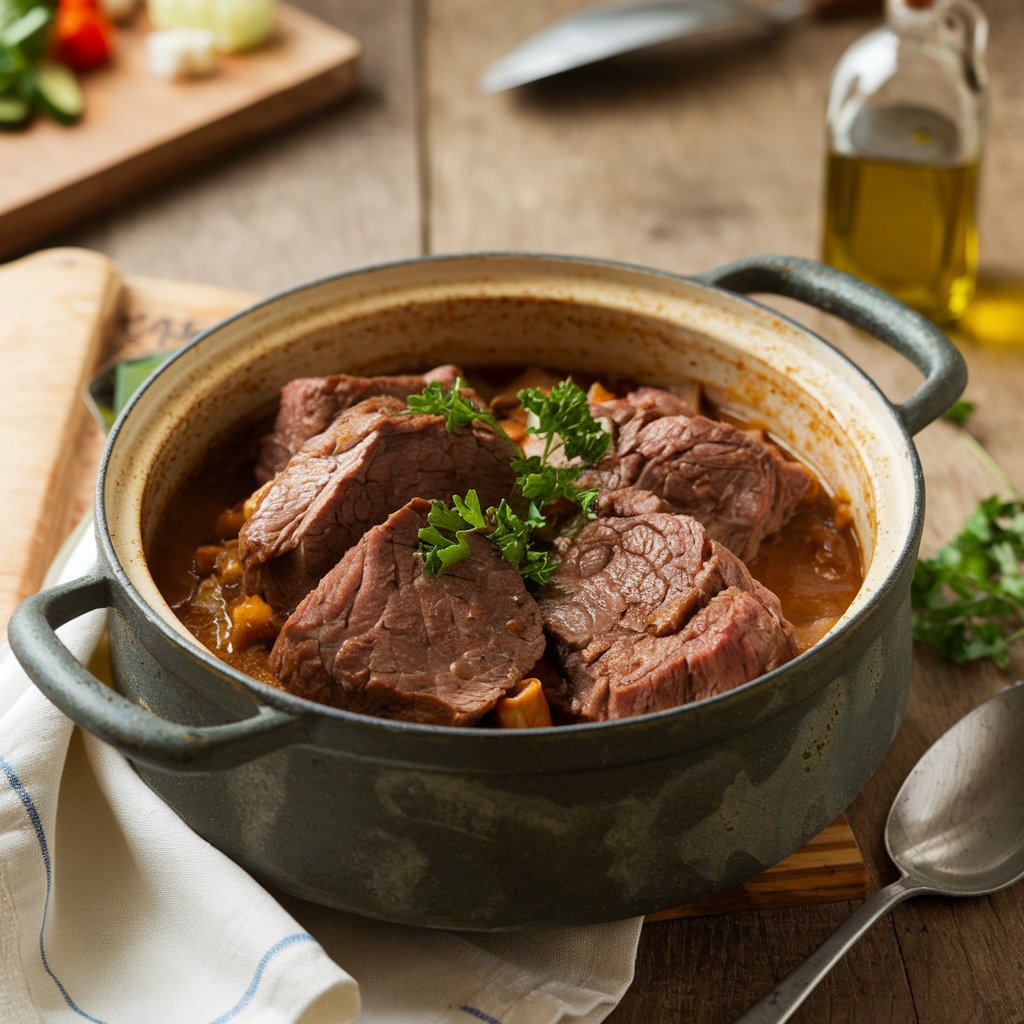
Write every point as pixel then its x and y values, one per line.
pixel 480 1015
pixel 37 825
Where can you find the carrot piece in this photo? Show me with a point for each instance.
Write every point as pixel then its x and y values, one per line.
pixel 252 622
pixel 230 521
pixel 599 393
pixel 527 708
pixel 228 567
pixel 205 559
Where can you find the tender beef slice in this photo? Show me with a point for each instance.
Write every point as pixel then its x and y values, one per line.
pixel 310 404
pixel 648 404
pixel 648 612
pixel 370 461
pixel 734 481
pixel 380 637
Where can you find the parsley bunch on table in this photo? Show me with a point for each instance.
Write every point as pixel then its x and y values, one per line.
pixel 968 598
pixel 563 420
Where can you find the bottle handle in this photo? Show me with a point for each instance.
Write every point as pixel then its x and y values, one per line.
pixel 968 28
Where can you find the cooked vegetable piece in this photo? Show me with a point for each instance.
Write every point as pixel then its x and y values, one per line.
pixel 231 520
pixel 252 622
pixel 227 565
pixel 205 560
pixel 526 708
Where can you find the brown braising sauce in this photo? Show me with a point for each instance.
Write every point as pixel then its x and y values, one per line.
pixel 813 563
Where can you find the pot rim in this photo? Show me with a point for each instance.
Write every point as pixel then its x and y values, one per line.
pixel 265 694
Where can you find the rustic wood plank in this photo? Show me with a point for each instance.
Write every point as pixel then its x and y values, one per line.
pixel 140 130
pixel 829 869
pixel 337 191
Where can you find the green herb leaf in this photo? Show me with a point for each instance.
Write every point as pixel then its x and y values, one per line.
pixel 565 423
pixel 443 542
pixel 512 537
pixel 565 413
pixel 457 410
pixel 959 412
pixel 968 598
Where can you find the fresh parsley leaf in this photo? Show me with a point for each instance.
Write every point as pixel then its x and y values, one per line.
pixel 959 412
pixel 564 414
pixel 968 598
pixel 457 410
pixel 565 423
pixel 443 542
pixel 512 537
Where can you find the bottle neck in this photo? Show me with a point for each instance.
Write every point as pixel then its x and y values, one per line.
pixel 912 14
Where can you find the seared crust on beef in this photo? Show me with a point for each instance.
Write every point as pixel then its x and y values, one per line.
pixel 380 637
pixel 649 612
pixel 734 481
pixel 310 404
pixel 370 461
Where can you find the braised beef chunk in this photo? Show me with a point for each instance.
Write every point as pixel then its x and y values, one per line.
pixel 310 404
pixel 647 403
pixel 734 481
pixel 380 637
pixel 648 612
pixel 370 461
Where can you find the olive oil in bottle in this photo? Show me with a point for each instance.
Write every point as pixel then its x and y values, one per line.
pixel 907 228
pixel 905 126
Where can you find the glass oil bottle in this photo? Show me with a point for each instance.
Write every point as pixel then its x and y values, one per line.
pixel 906 127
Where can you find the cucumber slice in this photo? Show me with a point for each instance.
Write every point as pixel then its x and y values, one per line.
pixel 57 92
pixel 30 32
pixel 14 112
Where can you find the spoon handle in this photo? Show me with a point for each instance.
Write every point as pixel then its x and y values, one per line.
pixel 784 1000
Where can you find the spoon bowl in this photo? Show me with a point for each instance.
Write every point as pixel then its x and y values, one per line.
pixel 957 823
pixel 956 828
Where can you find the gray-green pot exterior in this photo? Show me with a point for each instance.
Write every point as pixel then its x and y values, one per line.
pixel 482 829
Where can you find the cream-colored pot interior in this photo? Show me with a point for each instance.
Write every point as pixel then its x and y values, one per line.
pixel 496 310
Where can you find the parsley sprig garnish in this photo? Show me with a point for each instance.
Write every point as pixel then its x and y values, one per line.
pixel 456 408
pixel 564 422
pixel 968 598
pixel 444 542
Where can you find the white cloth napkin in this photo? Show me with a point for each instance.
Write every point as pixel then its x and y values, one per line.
pixel 112 910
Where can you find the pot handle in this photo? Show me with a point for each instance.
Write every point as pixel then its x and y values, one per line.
pixel 866 307
pixel 137 733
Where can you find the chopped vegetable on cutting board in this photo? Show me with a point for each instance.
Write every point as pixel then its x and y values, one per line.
pixel 235 24
pixel 181 52
pixel 42 44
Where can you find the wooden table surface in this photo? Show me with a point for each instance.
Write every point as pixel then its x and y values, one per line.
pixel 680 159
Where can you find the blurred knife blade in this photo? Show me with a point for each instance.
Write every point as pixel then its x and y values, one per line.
pixel 600 32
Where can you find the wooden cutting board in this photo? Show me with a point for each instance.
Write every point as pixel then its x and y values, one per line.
pixel 72 314
pixel 140 130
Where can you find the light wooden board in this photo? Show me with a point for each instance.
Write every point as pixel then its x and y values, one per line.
pixel 58 306
pixel 139 130
pixel 79 289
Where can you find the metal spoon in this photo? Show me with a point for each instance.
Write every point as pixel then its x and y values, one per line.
pixel 956 828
